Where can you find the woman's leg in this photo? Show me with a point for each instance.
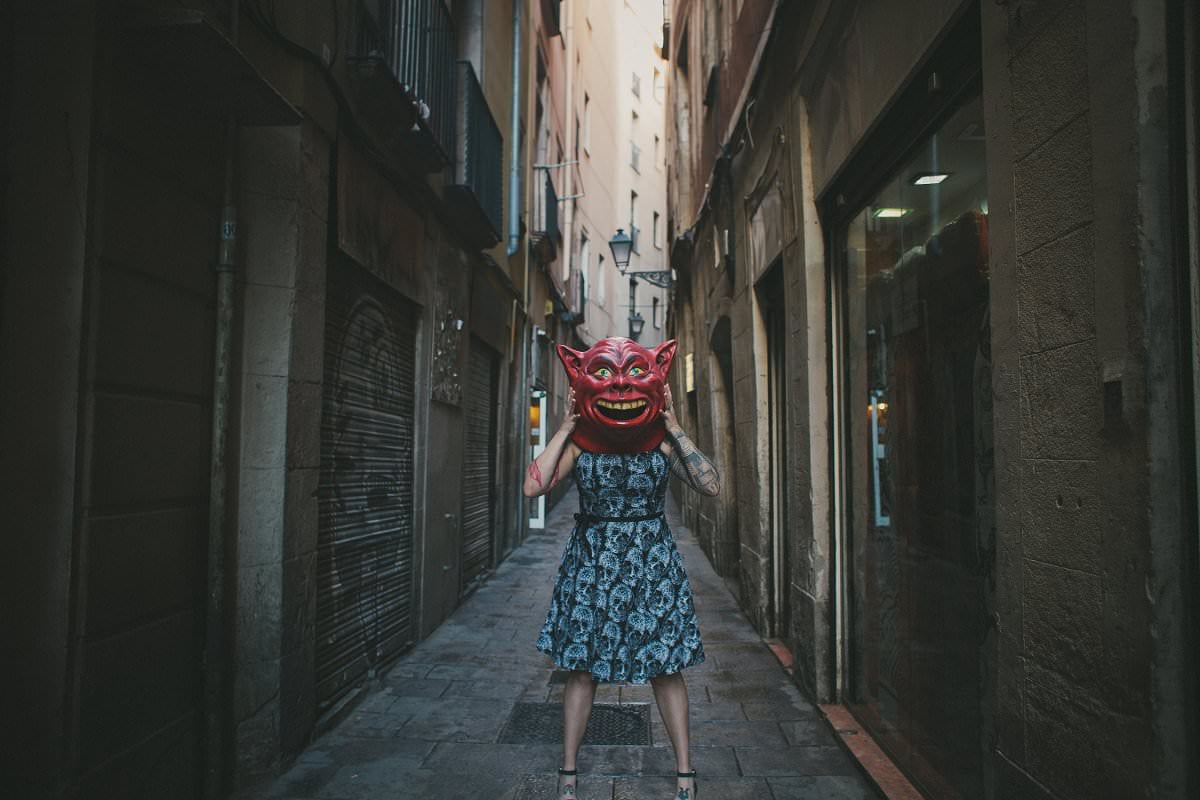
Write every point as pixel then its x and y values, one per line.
pixel 578 695
pixel 670 692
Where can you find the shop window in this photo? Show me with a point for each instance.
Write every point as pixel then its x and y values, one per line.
pixel 918 428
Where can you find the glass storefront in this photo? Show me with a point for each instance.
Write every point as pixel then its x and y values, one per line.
pixel 918 425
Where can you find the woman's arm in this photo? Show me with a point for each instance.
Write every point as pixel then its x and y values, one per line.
pixel 687 462
pixel 547 470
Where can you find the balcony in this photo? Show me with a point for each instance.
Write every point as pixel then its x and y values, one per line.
pixel 478 190
pixel 546 234
pixel 403 67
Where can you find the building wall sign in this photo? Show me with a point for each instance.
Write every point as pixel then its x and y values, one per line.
pixel 766 227
pixel 375 226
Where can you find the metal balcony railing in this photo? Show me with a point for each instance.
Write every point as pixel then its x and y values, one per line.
pixel 415 38
pixel 480 156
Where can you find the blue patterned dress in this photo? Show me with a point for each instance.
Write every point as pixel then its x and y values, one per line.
pixel 622 605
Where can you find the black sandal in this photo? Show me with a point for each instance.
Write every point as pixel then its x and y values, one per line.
pixel 685 794
pixel 568 772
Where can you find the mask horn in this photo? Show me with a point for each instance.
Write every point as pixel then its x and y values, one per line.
pixel 572 361
pixel 664 355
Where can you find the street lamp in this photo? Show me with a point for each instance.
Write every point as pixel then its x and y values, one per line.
pixel 636 324
pixel 621 246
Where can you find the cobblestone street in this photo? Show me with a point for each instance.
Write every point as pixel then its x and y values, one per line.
pixel 438 727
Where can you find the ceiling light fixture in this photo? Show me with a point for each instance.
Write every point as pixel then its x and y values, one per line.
pixel 890 213
pixel 929 178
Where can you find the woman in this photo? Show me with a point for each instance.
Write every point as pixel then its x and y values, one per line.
pixel 622 606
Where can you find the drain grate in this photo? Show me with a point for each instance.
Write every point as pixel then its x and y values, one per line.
pixel 541 723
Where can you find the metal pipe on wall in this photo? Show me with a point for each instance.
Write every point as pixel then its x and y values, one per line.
pixel 214 627
pixel 514 139
pixel 568 181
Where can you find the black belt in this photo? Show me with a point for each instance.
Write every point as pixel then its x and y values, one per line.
pixel 581 517
pixel 586 518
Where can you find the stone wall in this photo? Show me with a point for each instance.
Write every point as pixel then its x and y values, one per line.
pixel 1076 137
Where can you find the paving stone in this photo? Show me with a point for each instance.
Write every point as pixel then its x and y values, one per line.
pixel 733 733
pixel 421 687
pixel 822 787
pixel 794 761
pixel 807 732
pixel 754 694
pixel 699 712
pixel 794 710
pixel 490 689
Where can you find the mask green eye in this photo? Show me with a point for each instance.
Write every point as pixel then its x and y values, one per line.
pixel 636 371
pixel 603 372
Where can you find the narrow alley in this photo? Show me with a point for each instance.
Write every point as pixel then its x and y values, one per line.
pixel 472 711
pixel 897 302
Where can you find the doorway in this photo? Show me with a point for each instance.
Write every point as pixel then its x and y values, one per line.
pixel 771 302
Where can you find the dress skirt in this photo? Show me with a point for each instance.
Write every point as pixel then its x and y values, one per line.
pixel 622 608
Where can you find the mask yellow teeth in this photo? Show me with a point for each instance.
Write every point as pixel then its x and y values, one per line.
pixel 622 406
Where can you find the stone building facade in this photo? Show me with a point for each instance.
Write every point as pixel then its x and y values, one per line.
pixel 272 298
pixel 937 273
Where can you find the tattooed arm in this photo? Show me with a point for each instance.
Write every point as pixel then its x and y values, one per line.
pixel 547 470
pixel 687 462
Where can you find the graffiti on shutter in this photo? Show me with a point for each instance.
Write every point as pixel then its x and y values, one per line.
pixel 365 540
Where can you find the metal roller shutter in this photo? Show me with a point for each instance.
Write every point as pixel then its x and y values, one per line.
pixel 365 540
pixel 479 463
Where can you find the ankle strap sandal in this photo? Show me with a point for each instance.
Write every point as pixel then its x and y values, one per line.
pixel 567 791
pixel 684 794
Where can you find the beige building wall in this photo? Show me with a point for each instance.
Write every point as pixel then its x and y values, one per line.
pixel 614 42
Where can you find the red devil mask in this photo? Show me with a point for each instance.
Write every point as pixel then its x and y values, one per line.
pixel 619 393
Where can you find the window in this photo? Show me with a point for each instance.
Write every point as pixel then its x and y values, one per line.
pixel 587 122
pixel 633 229
pixel 654 232
pixel 601 280
pixel 657 152
pixel 578 128
pixel 634 156
pixel 654 320
pixel 916 371
pixel 637 85
pixel 660 87
pixel 584 266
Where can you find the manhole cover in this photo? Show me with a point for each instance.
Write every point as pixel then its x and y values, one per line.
pixel 541 723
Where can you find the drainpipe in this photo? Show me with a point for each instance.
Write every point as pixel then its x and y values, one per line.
pixel 515 202
pixel 568 181
pixel 214 623
pixel 514 138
